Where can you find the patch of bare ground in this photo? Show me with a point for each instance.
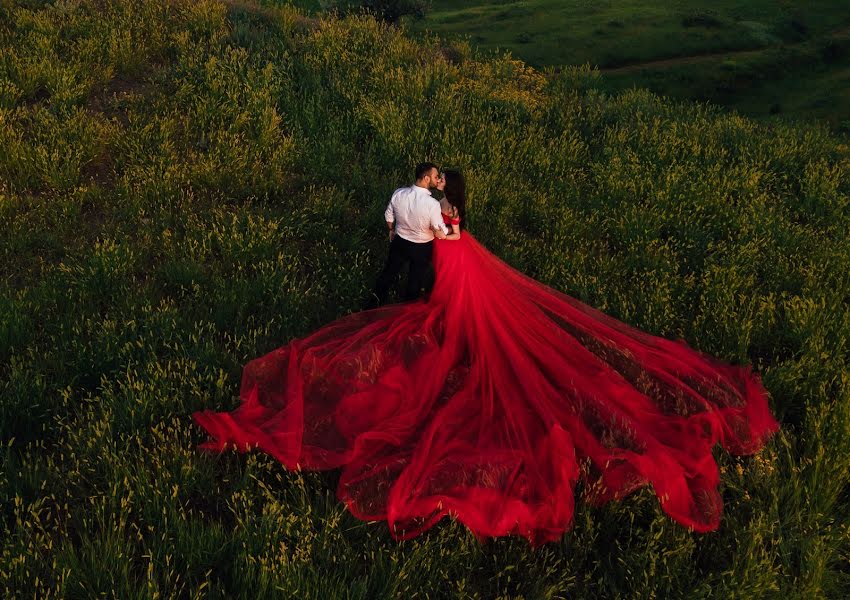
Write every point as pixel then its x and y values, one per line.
pixel 99 172
pixel 110 101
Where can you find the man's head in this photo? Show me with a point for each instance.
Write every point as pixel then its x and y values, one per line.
pixel 427 175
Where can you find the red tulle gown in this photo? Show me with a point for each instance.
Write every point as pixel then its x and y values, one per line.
pixel 485 402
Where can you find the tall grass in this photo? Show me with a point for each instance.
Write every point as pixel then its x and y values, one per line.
pixel 187 185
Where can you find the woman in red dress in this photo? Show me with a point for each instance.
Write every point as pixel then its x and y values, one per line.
pixel 490 400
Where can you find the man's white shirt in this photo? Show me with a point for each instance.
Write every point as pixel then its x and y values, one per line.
pixel 416 213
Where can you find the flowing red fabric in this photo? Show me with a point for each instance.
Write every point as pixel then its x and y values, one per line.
pixel 489 401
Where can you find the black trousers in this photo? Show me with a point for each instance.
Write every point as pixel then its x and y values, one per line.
pixel 403 251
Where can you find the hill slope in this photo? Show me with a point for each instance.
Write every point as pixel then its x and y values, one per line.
pixel 186 185
pixel 762 58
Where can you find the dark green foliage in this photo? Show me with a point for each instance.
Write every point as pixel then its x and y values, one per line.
pixel 186 185
pixel 387 10
pixel 766 59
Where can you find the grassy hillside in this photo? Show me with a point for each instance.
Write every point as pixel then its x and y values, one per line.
pixel 762 58
pixel 186 185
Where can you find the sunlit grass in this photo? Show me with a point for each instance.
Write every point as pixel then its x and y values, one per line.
pixel 187 185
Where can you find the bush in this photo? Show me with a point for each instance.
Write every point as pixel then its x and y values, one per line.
pixel 387 10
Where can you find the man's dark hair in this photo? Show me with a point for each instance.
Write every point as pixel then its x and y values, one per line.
pixel 423 169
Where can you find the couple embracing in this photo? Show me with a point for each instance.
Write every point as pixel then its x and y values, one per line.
pixel 414 219
pixel 494 398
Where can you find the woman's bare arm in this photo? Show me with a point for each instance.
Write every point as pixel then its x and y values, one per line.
pixel 455 234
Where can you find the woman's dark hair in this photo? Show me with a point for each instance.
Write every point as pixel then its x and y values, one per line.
pixel 456 193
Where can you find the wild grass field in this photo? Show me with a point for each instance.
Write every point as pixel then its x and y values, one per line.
pixel 763 58
pixel 186 185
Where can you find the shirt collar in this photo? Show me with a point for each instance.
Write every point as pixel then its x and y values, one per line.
pixel 421 190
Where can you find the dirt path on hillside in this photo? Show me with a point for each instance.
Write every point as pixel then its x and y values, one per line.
pixel 841 33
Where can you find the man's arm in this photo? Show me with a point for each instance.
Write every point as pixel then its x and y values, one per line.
pixel 437 224
pixel 389 217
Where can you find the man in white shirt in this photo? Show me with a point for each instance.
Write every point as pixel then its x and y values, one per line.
pixel 414 220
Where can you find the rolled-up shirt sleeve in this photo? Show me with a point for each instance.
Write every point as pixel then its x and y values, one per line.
pixel 437 218
pixel 388 214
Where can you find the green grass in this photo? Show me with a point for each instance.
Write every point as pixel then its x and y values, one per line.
pixel 549 33
pixel 808 81
pixel 610 34
pixel 187 185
